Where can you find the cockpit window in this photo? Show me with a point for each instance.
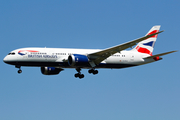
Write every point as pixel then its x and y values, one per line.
pixel 11 53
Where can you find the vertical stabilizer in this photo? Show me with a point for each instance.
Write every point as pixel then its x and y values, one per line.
pixel 147 46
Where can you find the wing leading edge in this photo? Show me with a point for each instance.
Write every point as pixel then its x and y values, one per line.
pixel 96 58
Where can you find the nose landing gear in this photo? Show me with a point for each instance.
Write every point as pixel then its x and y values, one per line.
pixel 19 71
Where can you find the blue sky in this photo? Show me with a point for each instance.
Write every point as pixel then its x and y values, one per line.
pixel 139 93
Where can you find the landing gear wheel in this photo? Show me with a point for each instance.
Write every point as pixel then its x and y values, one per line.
pixel 19 71
pixel 77 75
pixel 81 76
pixel 95 72
pixel 90 71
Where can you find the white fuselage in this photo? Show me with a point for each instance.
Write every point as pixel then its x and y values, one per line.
pixel 53 60
pixel 58 57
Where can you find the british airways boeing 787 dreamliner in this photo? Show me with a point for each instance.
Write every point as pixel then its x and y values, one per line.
pixel 53 60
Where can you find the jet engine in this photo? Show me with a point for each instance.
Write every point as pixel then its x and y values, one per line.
pixel 50 70
pixel 78 60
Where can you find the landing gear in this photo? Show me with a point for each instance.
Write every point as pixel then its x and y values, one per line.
pixel 79 75
pixel 19 71
pixel 93 71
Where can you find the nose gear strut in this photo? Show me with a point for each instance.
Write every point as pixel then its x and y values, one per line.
pixel 19 71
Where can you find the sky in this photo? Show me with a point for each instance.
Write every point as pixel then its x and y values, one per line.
pixel 139 93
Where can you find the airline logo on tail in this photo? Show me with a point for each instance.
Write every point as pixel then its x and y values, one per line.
pixel 143 50
pixel 155 31
pixel 147 45
pixel 151 44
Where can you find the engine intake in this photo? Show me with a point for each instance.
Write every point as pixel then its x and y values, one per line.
pixel 78 60
pixel 50 70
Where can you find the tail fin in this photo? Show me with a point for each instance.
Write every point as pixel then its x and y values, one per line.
pixel 147 46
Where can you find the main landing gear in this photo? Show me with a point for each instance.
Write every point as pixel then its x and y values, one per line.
pixel 93 71
pixel 79 73
pixel 19 71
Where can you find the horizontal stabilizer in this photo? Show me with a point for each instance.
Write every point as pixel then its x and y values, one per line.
pixel 158 55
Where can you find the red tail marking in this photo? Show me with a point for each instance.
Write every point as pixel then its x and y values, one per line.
pixel 155 31
pixel 143 50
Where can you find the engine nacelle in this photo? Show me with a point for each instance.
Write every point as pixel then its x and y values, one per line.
pixel 50 70
pixel 78 60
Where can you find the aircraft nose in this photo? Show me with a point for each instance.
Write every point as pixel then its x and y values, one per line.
pixel 5 59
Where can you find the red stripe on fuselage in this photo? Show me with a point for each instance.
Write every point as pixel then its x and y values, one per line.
pixel 28 51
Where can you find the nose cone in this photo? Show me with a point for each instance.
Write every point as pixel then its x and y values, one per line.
pixel 5 59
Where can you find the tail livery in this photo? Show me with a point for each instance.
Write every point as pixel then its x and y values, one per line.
pixel 147 46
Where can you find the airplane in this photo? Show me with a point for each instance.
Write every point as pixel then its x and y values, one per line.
pixel 54 60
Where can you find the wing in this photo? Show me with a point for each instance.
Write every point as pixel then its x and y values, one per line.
pixel 96 58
